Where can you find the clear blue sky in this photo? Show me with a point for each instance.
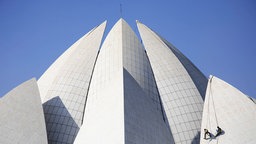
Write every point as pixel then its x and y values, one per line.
pixel 218 36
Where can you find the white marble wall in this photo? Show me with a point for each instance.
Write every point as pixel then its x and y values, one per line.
pixel 123 104
pixel 231 110
pixel 181 98
pixel 64 87
pixel 21 116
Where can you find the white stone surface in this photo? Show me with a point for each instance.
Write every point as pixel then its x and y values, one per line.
pixel 180 95
pixel 123 104
pixel 144 117
pixel 104 112
pixel 227 107
pixel 64 87
pixel 46 80
pixel 125 95
pixel 21 116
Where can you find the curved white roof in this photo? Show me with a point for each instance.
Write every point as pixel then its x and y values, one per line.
pixel 179 83
pixel 231 110
pixel 123 104
pixel 22 119
pixel 64 87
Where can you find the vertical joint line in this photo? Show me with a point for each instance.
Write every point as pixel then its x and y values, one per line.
pixel 159 98
pixel 89 87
